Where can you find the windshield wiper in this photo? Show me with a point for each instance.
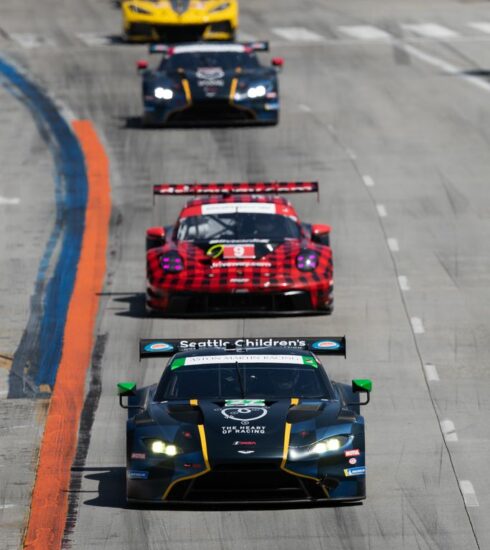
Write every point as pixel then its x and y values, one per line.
pixel 240 381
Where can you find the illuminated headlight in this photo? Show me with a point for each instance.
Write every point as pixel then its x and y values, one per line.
pixel 172 262
pixel 324 446
pixel 256 91
pixel 163 93
pixel 136 9
pixel 159 447
pixel 221 7
pixel 307 260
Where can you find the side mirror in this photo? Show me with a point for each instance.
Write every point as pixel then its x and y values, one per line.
pixel 142 65
pixel 155 236
pixel 321 234
pixel 126 389
pixel 277 62
pixel 362 385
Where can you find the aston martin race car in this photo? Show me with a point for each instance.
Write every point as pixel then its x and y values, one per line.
pixel 179 20
pixel 210 83
pixel 247 419
pixel 240 248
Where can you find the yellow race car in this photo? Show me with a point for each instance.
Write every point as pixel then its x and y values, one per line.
pixel 179 20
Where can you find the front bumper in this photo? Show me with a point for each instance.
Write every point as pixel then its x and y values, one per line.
pixel 204 112
pixel 147 31
pixel 251 482
pixel 289 302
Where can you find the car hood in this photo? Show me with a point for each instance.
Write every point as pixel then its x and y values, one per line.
pixel 255 429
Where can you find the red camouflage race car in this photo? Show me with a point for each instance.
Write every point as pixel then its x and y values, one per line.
pixel 240 248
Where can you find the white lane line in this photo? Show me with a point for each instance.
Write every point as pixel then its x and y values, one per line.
pixel 4 506
pixel 9 201
pixel 304 108
pixel 368 181
pixel 449 431
pixel 431 373
pixel 430 30
pixel 381 210
pixel 93 38
pixel 480 26
pixel 403 282
pixel 351 154
pixel 365 32
pixel 393 245
pixel 417 325
pixel 445 67
pixel 469 494
pixel 30 41
pixel 298 34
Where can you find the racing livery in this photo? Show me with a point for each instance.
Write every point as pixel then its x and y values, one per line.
pixel 239 249
pixel 248 419
pixel 210 83
pixel 178 20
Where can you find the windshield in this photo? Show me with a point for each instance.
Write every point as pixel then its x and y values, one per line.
pixel 238 226
pixel 239 381
pixel 197 60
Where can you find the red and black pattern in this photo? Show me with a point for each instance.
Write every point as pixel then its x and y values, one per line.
pixel 270 281
pixel 225 188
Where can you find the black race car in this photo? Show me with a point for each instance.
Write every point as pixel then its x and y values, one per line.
pixel 248 419
pixel 210 83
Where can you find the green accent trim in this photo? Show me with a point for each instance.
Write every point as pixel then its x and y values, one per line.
pixel 244 402
pixel 362 384
pixel 126 388
pixel 177 363
pixel 309 361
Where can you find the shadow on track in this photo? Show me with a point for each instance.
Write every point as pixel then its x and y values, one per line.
pixel 136 123
pixel 112 494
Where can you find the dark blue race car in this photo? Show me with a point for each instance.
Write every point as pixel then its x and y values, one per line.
pixel 254 420
pixel 210 83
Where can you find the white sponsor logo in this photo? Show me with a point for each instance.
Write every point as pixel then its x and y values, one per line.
pixel 244 414
pixel 242 343
pixel 242 207
pixel 244 429
pixel 232 359
pixel 210 73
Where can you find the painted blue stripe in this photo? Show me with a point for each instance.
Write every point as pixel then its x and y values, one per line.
pixel 71 190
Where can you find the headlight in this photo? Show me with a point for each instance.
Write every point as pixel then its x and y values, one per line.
pixel 159 447
pixel 172 262
pixel 136 9
pixel 327 445
pixel 221 7
pixel 307 260
pixel 256 91
pixel 163 93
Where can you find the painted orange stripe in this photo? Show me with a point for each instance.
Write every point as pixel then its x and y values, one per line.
pixel 50 496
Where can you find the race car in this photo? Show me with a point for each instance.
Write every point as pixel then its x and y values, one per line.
pixel 240 248
pixel 210 83
pixel 245 419
pixel 179 20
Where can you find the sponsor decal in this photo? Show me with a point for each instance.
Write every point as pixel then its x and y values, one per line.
pixel 309 361
pixel 159 346
pixel 246 452
pixel 239 207
pixel 352 452
pixel 352 460
pixel 358 471
pixel 138 456
pixel 195 466
pixel 210 73
pixel 241 359
pixel 245 443
pixel 244 343
pixel 244 402
pixel 244 414
pixel 244 429
pixel 325 344
pixel 207 84
pixel 138 474
pixel 219 265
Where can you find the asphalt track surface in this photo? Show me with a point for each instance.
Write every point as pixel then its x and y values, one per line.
pixel 397 132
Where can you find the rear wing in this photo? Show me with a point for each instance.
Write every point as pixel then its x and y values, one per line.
pixel 237 188
pixel 321 345
pixel 257 46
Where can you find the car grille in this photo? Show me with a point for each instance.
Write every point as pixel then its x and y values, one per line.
pixel 211 111
pixel 251 482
